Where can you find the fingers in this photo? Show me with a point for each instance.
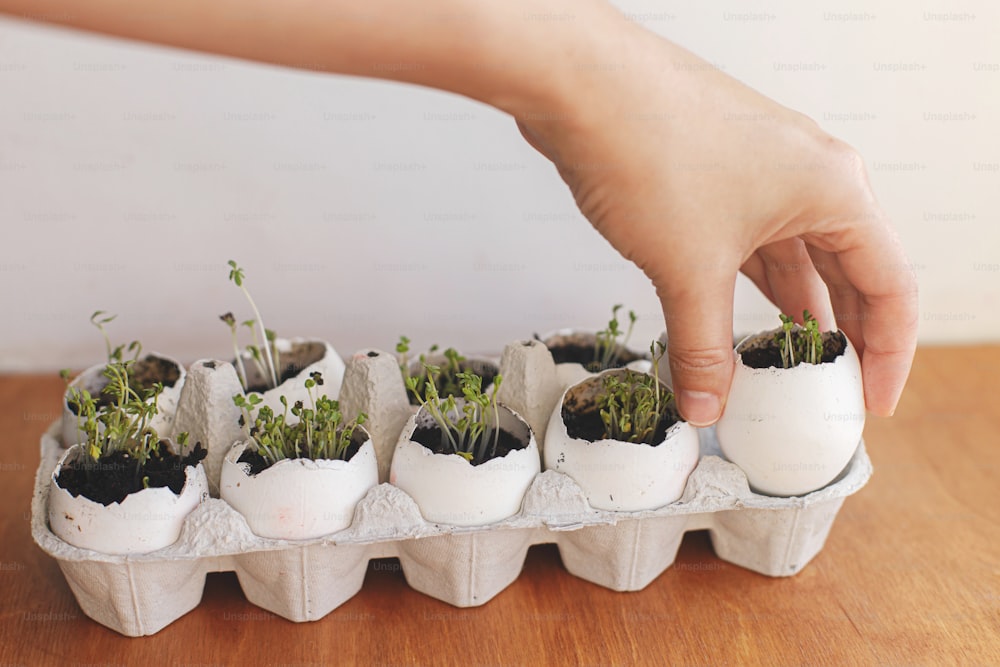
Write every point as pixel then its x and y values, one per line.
pixel 846 300
pixel 792 283
pixel 755 270
pixel 533 139
pixel 699 315
pixel 875 296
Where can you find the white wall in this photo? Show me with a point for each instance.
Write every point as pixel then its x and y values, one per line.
pixel 362 209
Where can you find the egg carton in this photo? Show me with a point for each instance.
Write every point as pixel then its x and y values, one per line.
pixel 305 580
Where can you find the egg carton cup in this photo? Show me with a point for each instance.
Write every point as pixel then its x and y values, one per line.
pixel 305 580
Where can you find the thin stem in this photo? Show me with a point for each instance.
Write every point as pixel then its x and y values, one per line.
pixel 260 321
pixel 240 368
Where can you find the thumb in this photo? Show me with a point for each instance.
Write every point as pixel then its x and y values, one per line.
pixel 699 317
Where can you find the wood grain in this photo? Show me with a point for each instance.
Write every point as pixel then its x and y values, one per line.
pixel 910 573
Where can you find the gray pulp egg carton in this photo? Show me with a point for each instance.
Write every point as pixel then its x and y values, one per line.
pixel 306 580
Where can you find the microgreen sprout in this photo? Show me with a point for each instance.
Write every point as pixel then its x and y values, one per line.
pixel 123 425
pixel 99 319
pixel 266 362
pixel 447 381
pixel 606 348
pixel 115 355
pixel 799 344
pixel 632 404
pixel 319 431
pixel 469 425
pixel 240 368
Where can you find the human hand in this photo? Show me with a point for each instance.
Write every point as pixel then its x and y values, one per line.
pixel 687 172
pixel 694 176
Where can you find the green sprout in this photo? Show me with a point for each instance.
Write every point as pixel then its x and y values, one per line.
pixel 240 368
pixel 99 319
pixel 124 424
pixel 606 348
pixel 317 432
pixel 266 362
pixel 470 425
pixel 115 355
pixel 632 404
pixel 799 344
pixel 447 380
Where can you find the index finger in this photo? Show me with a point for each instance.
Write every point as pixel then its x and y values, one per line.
pixel 874 294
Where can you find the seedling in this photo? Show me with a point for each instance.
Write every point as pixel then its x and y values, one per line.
pixel 799 344
pixel 447 380
pixel 123 425
pixel 266 361
pixel 115 355
pixel 607 349
pixel 99 319
pixel 318 432
pixel 470 427
pixel 633 404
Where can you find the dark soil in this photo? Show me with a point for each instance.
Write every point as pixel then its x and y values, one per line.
pixel 114 477
pixel 144 374
pixel 149 370
pixel 763 351
pixel 583 421
pixel 448 385
pixel 292 363
pixel 582 417
pixel 259 464
pixel 579 349
pixel 430 437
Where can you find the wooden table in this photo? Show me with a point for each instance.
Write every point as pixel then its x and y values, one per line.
pixel 910 573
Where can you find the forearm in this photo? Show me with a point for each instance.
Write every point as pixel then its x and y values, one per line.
pixel 516 55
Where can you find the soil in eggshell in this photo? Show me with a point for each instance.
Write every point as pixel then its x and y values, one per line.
pixel 763 350
pixel 292 362
pixel 578 348
pixel 112 478
pixel 430 437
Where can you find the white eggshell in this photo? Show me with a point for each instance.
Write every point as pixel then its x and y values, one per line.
pixel 475 364
pixel 793 430
pixel 93 380
pixel 298 499
pixel 145 521
pixel 623 476
pixel 450 490
pixel 294 388
pixel 569 374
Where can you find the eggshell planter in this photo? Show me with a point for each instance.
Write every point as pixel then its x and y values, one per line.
pixel 793 431
pixel 143 522
pixel 449 489
pixel 570 373
pixel 93 380
pixel 311 356
pixel 482 366
pixel 615 475
pixel 299 499
pixel 465 566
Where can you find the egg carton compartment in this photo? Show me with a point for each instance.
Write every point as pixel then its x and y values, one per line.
pixel 305 580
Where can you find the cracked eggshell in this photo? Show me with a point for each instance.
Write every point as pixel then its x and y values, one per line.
pixel 299 499
pixel 145 521
pixel 621 476
pixel 93 380
pixel 793 430
pixel 320 357
pixel 450 490
pixel 571 373
pixel 483 366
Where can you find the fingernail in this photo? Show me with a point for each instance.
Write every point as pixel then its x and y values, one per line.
pixel 700 408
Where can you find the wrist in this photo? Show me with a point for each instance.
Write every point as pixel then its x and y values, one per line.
pixel 542 62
